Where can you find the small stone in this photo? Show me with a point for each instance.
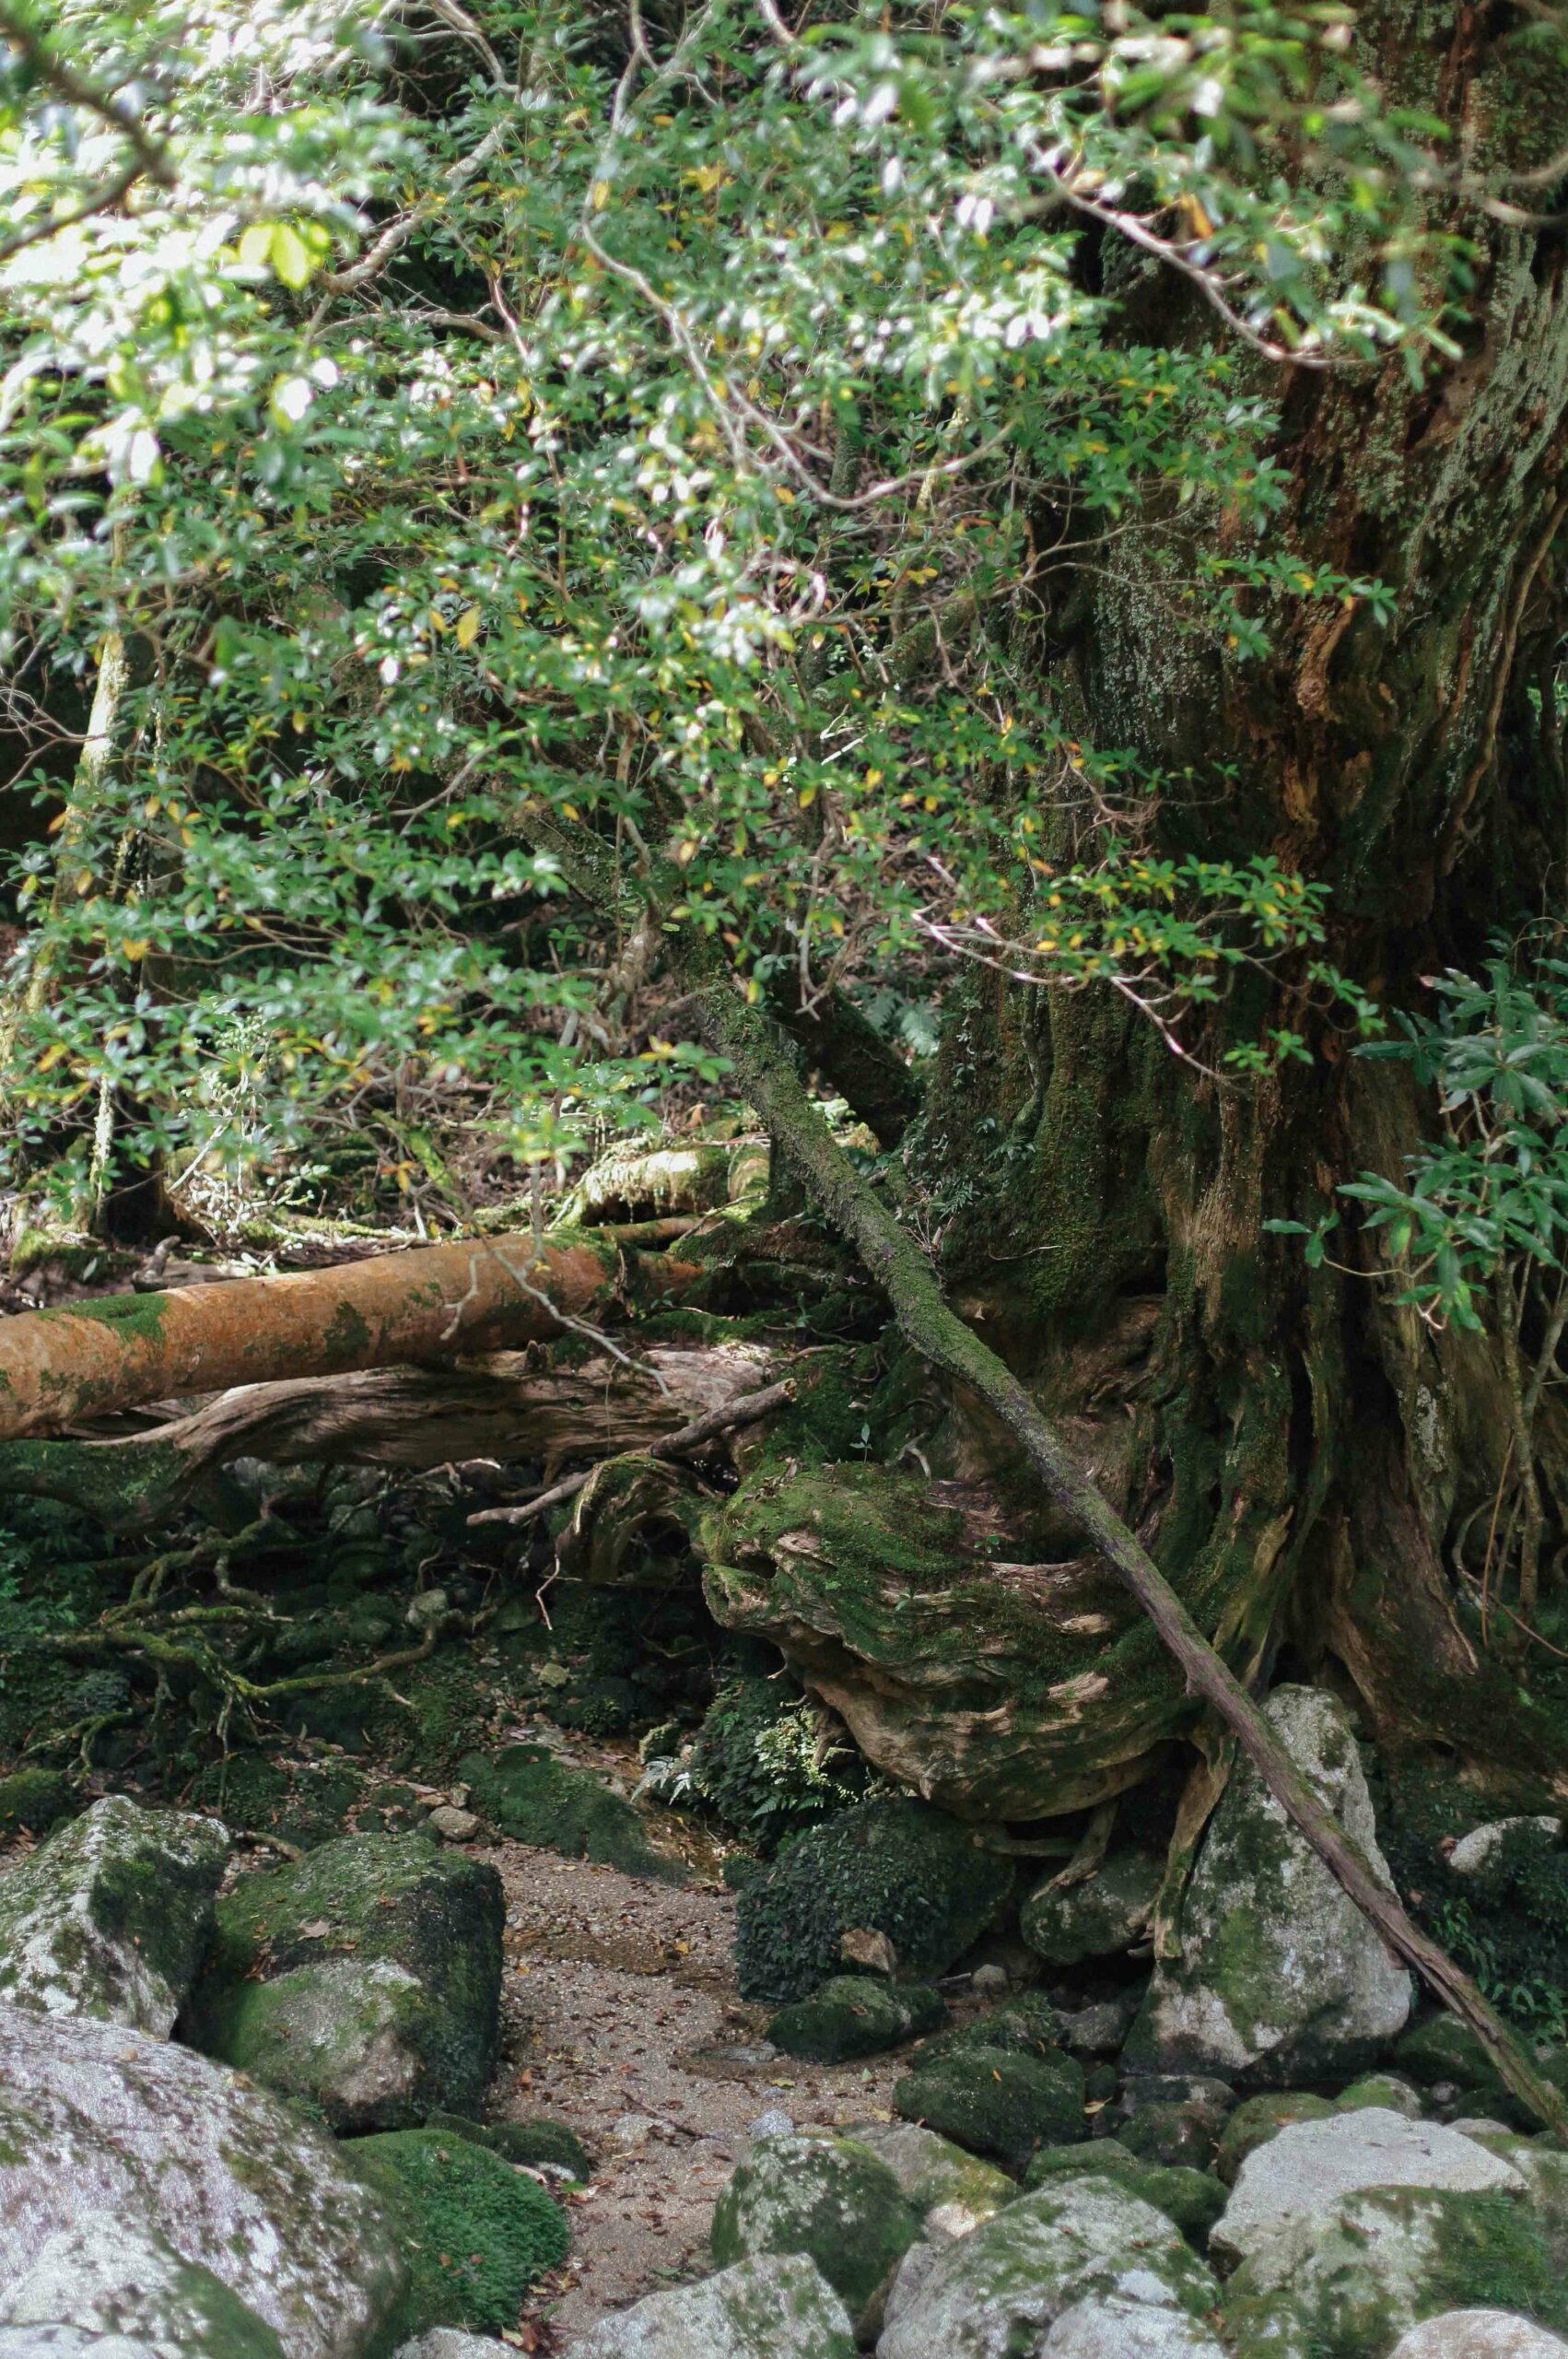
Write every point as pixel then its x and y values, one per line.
pixel 1519 1838
pixel 633 2129
pixel 1479 2334
pixel 1098 2030
pixel 774 2123
pixel 855 2015
pixel 1383 2089
pixel 450 2342
pixel 431 1606
pixel 1175 2119
pixel 868 1949
pixel 453 1825
pixel 990 1982
pixel 553 1674
pixel 1312 2167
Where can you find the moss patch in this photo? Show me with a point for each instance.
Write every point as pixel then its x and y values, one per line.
pixel 475 2234
pixel 996 2103
pixel 856 2014
pixel 535 1799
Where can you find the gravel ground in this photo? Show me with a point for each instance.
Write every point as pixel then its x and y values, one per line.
pixel 625 2023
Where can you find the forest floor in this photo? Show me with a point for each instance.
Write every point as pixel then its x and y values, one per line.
pixel 624 2022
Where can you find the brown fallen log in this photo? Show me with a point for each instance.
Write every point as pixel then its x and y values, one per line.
pixel 500 1406
pixel 92 1359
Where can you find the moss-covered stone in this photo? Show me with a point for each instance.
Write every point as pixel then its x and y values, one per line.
pixel 1100 1917
pixel 830 2198
pixel 1100 2157
pixel 110 1915
pixel 1443 2049
pixel 897 1868
pixel 116 2277
pixel 35 1800
pixel 363 1979
pixel 1194 2200
pixel 1026 2026
pixel 937 2178
pixel 1257 2120
pixel 475 2234
pixel 997 2102
pixel 535 1799
pixel 856 2014
pixel 1346 2283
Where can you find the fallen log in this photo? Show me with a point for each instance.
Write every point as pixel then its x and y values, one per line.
pixel 500 1406
pixel 438 1303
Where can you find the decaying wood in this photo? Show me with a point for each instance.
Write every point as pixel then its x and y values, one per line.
pixel 746 1411
pixel 94 1358
pixel 500 1406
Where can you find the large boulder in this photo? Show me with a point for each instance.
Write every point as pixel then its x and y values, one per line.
pixel 96 2119
pixel 1479 2334
pixel 364 1979
pixel 997 2102
pixel 113 2277
pixel 1279 1976
pixel 1003 2291
pixel 109 1917
pixel 894 1868
pixel 1099 1917
pixel 830 2198
pixel 1310 2166
pixel 777 2306
pixel 1356 2277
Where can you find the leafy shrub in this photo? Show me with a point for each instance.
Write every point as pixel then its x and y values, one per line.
pixel 895 1867
pixel 760 1762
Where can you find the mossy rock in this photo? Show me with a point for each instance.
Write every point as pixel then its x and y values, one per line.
pixel 1096 2158
pixel 116 2277
pixel 476 2234
pixel 997 2102
pixel 1347 2282
pixel 1382 2089
pixel 829 2198
pixel 1443 2049
pixel 856 2014
pixel 363 1980
pixel 1025 2026
pixel 936 2176
pixel 35 1800
pixel 1100 1917
pixel 895 1867
pixel 1193 2200
pixel 1257 2120
pixel 539 2143
pixel 535 1799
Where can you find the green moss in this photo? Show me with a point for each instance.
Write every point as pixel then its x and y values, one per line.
pixel 1026 2026
pixel 756 1761
pixel 855 2015
pixel 997 2102
pixel 1099 2158
pixel 138 1317
pixel 475 2234
pixel 34 1798
pixel 539 2140
pixel 1192 2200
pixel 897 1868
pixel 535 1799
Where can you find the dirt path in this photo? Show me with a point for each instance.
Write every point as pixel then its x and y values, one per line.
pixel 626 2024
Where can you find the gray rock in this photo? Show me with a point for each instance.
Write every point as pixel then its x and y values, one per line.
pixel 1097 2030
pixel 1358 2276
pixel 1122 2329
pixel 1280 1976
pixel 830 2198
pixel 1000 2292
pixel 774 2123
pixel 98 2118
pixel 1311 2167
pixel 951 2191
pixel 991 1981
pixel 1520 1838
pixel 430 1607
pixel 779 2307
pixel 364 1979
pixel 1099 1918
pixel 1479 2334
pixel 114 2276
pixel 450 2342
pixel 111 1916
pixel 452 1824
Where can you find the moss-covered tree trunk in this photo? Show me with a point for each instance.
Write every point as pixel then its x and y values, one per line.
pixel 1302 1455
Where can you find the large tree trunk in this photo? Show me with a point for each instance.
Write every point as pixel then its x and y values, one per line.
pixel 1299 1453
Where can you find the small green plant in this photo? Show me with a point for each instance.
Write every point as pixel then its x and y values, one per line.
pixel 768 1763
